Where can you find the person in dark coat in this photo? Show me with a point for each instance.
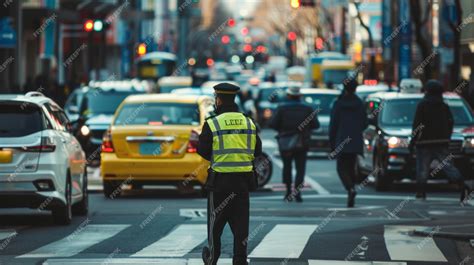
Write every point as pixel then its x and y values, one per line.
pixel 294 117
pixel 348 121
pixel 432 129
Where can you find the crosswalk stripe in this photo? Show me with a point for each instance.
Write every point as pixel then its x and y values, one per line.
pixel 79 240
pixel 284 241
pixel 116 261
pixel 402 246
pixel 177 243
pixel 134 261
pixel 344 262
pixel 7 233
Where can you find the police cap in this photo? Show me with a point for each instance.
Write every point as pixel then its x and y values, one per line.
pixel 226 89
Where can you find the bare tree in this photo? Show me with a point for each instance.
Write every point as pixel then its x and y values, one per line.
pixel 423 40
pixel 372 72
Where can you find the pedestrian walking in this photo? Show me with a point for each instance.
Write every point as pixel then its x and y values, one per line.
pixel 348 121
pixel 432 129
pixel 294 121
pixel 230 142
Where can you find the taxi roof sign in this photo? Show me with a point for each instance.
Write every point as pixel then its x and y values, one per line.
pixel 411 85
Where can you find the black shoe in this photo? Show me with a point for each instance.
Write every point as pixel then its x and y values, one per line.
pixel 351 198
pixel 421 195
pixel 298 198
pixel 288 197
pixel 465 194
pixel 205 255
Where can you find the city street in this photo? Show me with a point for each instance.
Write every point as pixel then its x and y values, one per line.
pixel 163 227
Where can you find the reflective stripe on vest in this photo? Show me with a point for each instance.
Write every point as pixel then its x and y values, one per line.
pixel 234 140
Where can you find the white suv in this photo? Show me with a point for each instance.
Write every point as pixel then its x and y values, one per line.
pixel 42 165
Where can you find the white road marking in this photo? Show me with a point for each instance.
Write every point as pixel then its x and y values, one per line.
pixel 284 241
pixel 401 246
pixel 343 262
pixel 134 261
pixel 362 196
pixel 193 213
pixel 121 261
pixel 76 242
pixel 7 233
pixel 178 243
pixel 313 183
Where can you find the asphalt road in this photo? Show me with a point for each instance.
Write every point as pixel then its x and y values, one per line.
pixel 161 226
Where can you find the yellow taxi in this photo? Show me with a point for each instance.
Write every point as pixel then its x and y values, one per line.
pixel 153 140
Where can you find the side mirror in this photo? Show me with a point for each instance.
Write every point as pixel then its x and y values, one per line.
pixel 73 109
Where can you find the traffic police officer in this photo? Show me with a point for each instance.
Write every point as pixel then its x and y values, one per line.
pixel 230 142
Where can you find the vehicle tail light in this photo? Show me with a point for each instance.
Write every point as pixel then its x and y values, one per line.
pixel 107 146
pixel 193 142
pixel 47 146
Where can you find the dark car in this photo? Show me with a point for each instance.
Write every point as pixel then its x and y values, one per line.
pixel 92 112
pixel 386 140
pixel 322 100
pixel 267 97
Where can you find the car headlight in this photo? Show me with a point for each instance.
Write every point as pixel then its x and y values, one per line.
pixel 397 142
pixel 85 130
pixel 469 143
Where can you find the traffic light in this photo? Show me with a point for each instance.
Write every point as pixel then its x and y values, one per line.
pixel 141 49
pixel 302 3
pixel 244 31
pixel 93 25
pixel 247 48
pixel 225 39
pixel 292 35
pixel 295 3
pixel 319 43
pixel 231 22
pixel 89 25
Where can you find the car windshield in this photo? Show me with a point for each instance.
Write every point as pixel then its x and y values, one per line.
pixel 323 102
pixel 269 94
pixel 401 112
pixel 335 76
pixel 158 114
pixel 19 119
pixel 105 102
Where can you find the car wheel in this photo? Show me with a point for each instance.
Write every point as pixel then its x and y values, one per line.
pixel 382 179
pixel 82 208
pixel 263 169
pixel 63 215
pixel 110 189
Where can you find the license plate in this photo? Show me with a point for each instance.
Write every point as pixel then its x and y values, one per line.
pixel 6 156
pixel 150 149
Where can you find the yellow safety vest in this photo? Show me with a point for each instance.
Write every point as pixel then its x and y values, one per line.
pixel 233 146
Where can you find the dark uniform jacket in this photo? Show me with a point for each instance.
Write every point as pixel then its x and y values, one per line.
pixel 294 116
pixel 226 182
pixel 433 123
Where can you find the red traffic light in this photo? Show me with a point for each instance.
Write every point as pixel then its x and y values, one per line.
pixel 261 49
pixel 89 25
pixel 225 39
pixel 231 22
pixel 244 31
pixel 210 62
pixel 247 48
pixel 292 35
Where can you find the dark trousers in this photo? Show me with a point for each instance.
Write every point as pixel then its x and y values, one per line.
pixel 232 208
pixel 426 154
pixel 346 168
pixel 300 164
